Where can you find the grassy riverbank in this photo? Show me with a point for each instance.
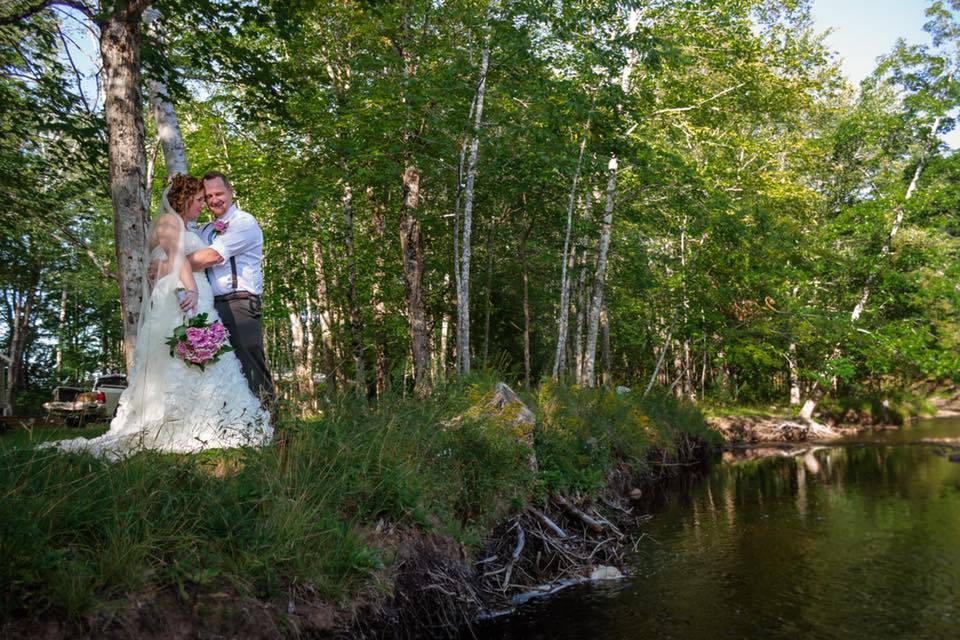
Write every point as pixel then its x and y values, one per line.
pixel 81 538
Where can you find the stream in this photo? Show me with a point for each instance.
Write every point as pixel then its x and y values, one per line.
pixel 856 539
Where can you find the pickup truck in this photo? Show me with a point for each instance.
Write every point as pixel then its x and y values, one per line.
pixel 76 405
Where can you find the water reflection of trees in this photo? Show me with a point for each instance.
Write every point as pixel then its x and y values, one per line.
pixel 820 536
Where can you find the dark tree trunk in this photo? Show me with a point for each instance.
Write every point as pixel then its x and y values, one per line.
pixel 120 37
pixel 353 309
pixel 379 308
pixel 412 249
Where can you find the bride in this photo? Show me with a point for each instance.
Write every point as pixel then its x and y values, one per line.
pixel 169 405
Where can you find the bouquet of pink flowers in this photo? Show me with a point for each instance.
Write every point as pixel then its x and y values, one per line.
pixel 199 342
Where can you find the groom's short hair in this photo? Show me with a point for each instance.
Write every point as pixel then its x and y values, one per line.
pixel 213 175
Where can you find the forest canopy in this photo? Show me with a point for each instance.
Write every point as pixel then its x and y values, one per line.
pixel 674 193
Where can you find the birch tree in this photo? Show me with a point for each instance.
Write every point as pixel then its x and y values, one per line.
pixel 168 126
pixel 463 290
pixel 588 377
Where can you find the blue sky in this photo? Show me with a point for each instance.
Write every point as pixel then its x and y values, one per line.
pixel 863 30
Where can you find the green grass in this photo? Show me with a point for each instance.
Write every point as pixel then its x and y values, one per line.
pixel 78 534
pixel 720 409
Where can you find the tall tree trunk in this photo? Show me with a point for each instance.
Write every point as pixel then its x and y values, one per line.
pixel 441 355
pixel 526 305
pixel 353 309
pixel 19 334
pixel 323 316
pixel 588 377
pixel 120 37
pixel 606 356
pixel 564 312
pixel 581 313
pixel 463 291
pixel 794 375
pixel 168 127
pixel 689 391
pixel 566 354
pixel 657 367
pixel 376 293
pixel 311 348
pixel 489 292
pixel 151 171
pixel 412 249
pixel 298 349
pixel 61 334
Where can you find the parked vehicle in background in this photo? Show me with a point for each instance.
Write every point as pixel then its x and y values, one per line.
pixel 77 405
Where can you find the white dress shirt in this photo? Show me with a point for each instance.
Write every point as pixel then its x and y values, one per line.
pixel 243 242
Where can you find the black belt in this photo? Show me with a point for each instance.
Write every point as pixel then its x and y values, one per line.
pixel 236 295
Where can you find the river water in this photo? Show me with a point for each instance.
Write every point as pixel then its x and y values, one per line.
pixel 855 540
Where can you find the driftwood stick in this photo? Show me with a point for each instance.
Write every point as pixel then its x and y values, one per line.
pixel 588 520
pixel 514 557
pixel 553 526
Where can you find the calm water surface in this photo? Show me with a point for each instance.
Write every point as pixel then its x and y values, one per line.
pixel 860 540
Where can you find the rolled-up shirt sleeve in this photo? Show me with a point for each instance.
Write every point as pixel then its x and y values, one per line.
pixel 240 236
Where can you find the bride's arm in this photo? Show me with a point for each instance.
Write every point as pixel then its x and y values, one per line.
pixel 190 284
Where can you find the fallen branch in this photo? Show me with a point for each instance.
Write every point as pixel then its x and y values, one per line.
pixel 588 520
pixel 521 539
pixel 553 526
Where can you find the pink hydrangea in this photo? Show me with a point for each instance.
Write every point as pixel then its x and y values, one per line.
pixel 201 345
pixel 218 332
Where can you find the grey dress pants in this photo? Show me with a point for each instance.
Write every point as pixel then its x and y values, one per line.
pixel 241 317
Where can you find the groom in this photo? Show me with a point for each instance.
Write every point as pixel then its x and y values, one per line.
pixel 233 266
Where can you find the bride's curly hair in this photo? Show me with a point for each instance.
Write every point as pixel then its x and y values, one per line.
pixel 183 187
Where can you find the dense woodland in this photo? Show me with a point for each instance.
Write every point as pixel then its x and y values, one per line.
pixel 683 193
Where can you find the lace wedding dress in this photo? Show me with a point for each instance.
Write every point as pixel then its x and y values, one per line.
pixel 171 406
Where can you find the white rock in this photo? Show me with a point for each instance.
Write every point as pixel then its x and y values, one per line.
pixel 605 572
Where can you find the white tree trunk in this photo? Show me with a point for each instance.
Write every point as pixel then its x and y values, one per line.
pixel 656 368
pixel 61 331
pixel 168 127
pixel 588 377
pixel 444 333
pixel 463 291
pixel 794 375
pixel 564 311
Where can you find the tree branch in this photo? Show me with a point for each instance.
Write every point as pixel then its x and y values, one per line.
pixel 76 71
pixel 699 104
pixel 40 6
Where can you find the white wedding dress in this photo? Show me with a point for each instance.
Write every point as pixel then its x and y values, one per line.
pixel 170 406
